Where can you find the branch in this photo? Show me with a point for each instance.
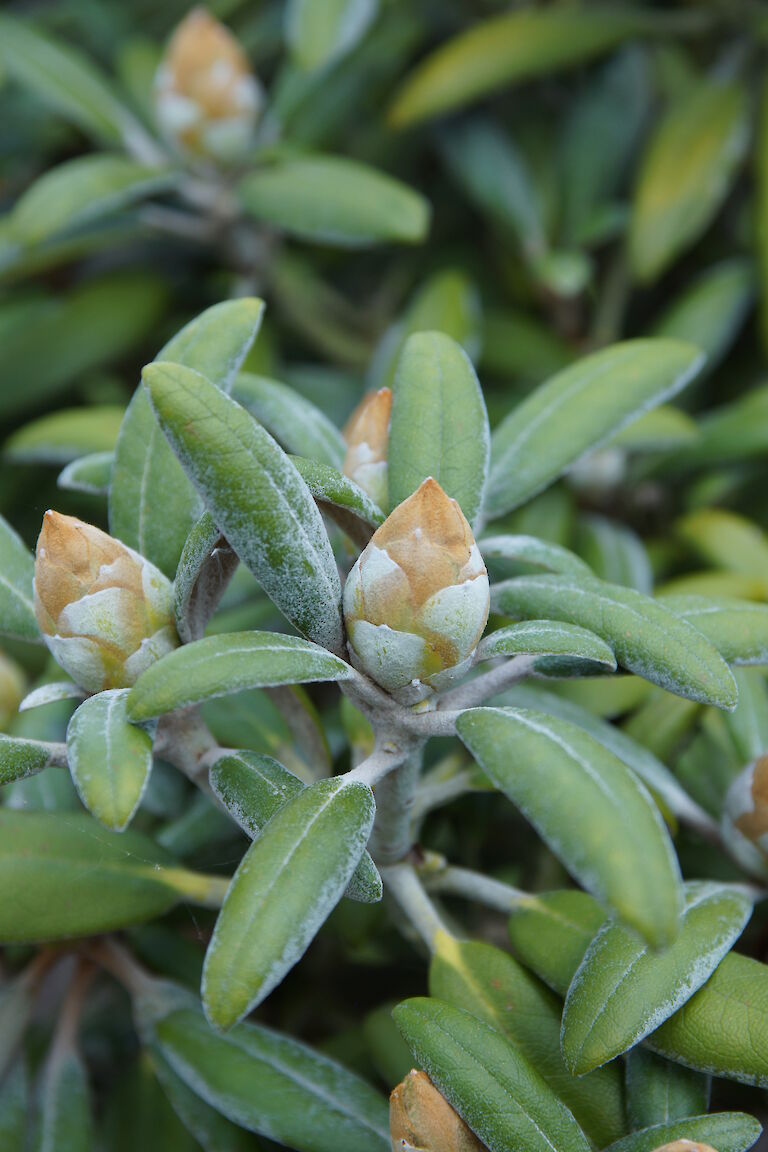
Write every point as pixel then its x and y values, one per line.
pixel 474 886
pixel 385 758
pixel 490 684
pixel 409 892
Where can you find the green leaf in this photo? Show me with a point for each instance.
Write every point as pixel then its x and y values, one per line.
pixel 488 1081
pixel 110 879
pixel 622 991
pixel 660 1092
pixel 152 505
pixel 439 425
pixel 91 474
pixel 506 50
pixel 137 1114
pixel 655 775
pixel 110 759
pixel 208 1127
pixel 64 435
pixel 615 553
pixel 275 1086
pixel 333 200
pixel 711 311
pixel 577 410
pixel 552 931
pixel 253 788
pixel 206 565
pixel 737 628
pixel 493 987
pixel 65 80
pixel 341 499
pixel 531 550
pixel 319 32
pixel 232 662
pixel 17 570
pixel 15 1103
pixel 726 1131
pixel 517 346
pixel 674 201
pixel 255 496
pixel 594 814
pixel 20 758
pixel 723 1029
pixel 645 636
pixel 726 540
pixel 659 430
pixel 287 883
pixel 297 425
pixel 546 638
pixel 65 1111
pixel 81 191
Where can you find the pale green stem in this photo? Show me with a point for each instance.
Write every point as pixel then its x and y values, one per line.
pixel 391 840
pixel 197 887
pixel 405 886
pixel 481 889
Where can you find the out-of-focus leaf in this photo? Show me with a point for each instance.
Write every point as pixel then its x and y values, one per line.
pixel 319 313
pixel 646 637
pixel 287 883
pixel 109 758
pixel 17 570
pixel 726 540
pixel 711 311
pixel 737 628
pixel 65 1109
pixel 732 432
pixel 91 474
pixel 594 814
pixel 505 50
pixel 333 200
pixel 661 429
pixel 492 986
pixel 488 1081
pixel 48 693
pixel 439 424
pixel 519 347
pixel 255 495
pixel 615 553
pixel 152 505
pixel 319 32
pixel 622 991
pixel 298 426
pixel 81 191
pixel 64 435
pixel 675 201
pixel 577 410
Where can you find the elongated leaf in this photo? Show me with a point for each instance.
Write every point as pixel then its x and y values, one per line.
pixel 65 435
pixel 91 474
pixel 338 496
pixel 20 757
pixel 15 1102
pixel 531 550
pixel 152 505
pixel 489 1083
pixel 675 202
pixel 546 638
pixel 726 540
pixel 622 991
pixel 655 775
pixel 64 79
pixel 577 410
pixel 552 931
pixel 65 1114
pixel 273 1085
pixel 597 818
pixel 319 32
pixel 711 311
pixel 110 759
pixel 232 662
pixel 726 1131
pixel 615 553
pixel 332 200
pixel 79 192
pixel 660 1092
pixel 287 883
pixel 661 429
pixel 296 424
pixel 505 50
pixel 517 346
pixel 646 637
pixel 493 987
pixel 110 879
pixel 256 497
pixel 209 1128
pixel 206 566
pixel 737 628
pixel 17 570
pixel 138 1114
pixel 253 788
pixel 735 431
pixel 48 693
pixel 439 425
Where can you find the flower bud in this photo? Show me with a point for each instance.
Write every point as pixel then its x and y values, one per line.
pixel 104 611
pixel 420 1117
pixel 745 817
pixel 416 602
pixel 367 437
pixel 206 97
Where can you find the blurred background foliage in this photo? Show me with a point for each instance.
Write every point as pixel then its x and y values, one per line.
pixel 569 175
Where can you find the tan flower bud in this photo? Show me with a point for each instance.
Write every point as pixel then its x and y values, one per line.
pixel 206 96
pixel 367 437
pixel 416 602
pixel 104 611
pixel 745 817
pixel 421 1118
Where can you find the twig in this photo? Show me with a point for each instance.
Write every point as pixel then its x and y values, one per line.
pixel 490 684
pixel 475 886
pixel 406 887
